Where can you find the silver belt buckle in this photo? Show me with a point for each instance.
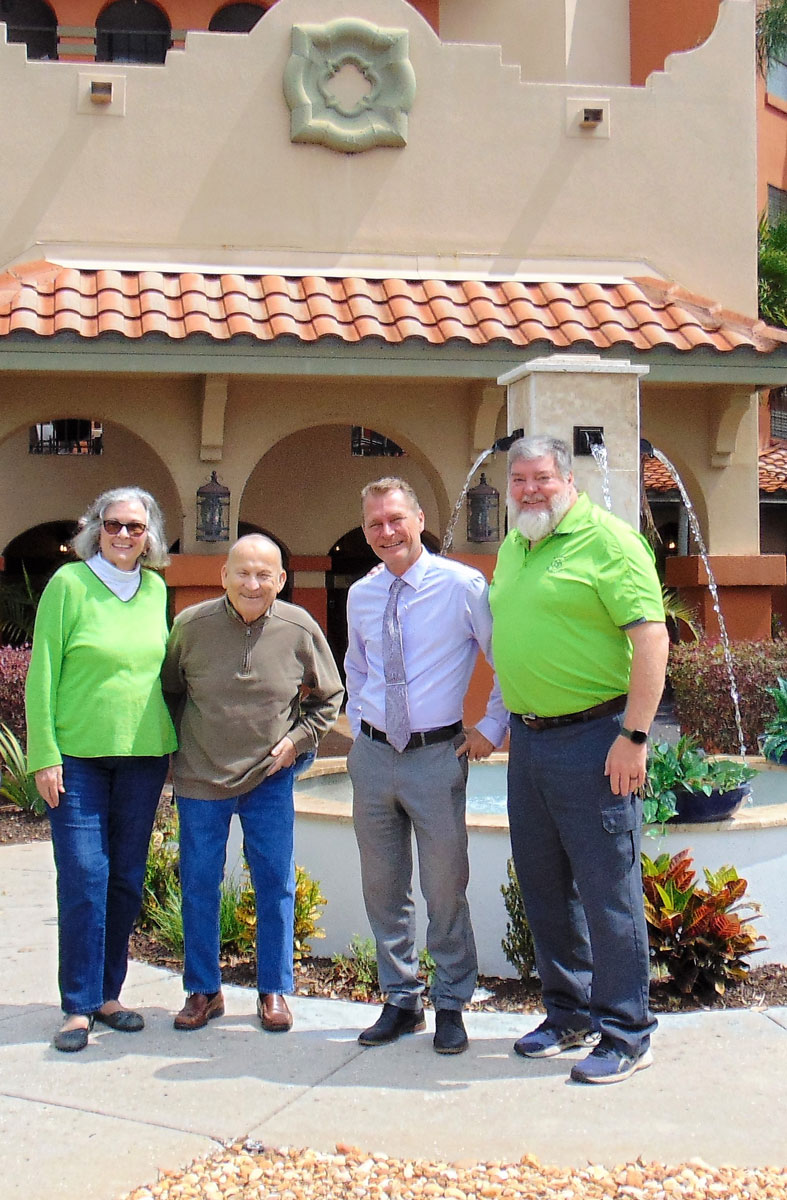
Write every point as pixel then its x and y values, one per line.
pixel 529 717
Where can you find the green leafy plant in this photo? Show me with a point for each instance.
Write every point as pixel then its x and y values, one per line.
pixel 18 604
pixel 772 271
pixel 518 942
pixel 678 611
pixel 426 966
pixel 698 941
pixel 684 766
pixel 17 785
pixel 701 690
pixel 357 969
pixel 774 743
pixel 309 903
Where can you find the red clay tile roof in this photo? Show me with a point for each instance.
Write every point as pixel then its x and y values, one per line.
pixel 773 466
pixel 44 299
pixel 773 470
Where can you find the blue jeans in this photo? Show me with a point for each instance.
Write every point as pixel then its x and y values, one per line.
pixel 267 817
pixel 577 855
pixel 100 834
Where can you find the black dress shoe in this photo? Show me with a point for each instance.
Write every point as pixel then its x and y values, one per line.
pixel 392 1023
pixel 124 1020
pixel 450 1036
pixel 69 1040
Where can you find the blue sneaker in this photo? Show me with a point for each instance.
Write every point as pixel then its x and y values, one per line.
pixel 606 1064
pixel 547 1040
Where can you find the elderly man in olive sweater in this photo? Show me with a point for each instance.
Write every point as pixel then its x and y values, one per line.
pixel 253 684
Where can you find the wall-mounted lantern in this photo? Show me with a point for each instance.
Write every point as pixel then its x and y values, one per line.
pixel 483 512
pixel 213 511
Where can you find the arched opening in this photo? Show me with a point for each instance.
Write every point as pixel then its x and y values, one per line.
pixel 132 31
pixel 351 559
pixel 38 552
pixel 236 18
pixel 32 22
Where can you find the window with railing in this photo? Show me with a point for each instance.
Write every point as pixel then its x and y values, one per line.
pixel 367 443
pixel 32 22
pixel 72 435
pixel 132 31
pixel 778 407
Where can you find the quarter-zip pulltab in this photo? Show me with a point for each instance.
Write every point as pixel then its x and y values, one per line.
pixel 246 664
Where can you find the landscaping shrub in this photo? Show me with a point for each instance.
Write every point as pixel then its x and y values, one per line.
pixel 357 969
pixel 698 941
pixel 14 661
pixel 700 684
pixel 16 784
pixel 518 943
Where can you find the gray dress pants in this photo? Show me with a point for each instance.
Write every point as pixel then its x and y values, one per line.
pixel 421 791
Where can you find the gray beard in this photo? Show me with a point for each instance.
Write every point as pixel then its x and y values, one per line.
pixel 537 525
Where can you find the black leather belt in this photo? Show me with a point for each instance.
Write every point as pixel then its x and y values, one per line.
pixel 430 738
pixel 609 708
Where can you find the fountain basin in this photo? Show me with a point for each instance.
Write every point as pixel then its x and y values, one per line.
pixel 754 841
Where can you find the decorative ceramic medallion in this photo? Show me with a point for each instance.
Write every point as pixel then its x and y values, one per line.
pixel 349 85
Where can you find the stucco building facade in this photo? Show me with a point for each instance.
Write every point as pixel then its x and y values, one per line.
pixel 365 214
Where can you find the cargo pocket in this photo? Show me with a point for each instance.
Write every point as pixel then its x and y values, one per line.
pixel 620 816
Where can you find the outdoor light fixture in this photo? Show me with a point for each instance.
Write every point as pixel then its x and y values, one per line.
pixel 483 512
pixel 213 511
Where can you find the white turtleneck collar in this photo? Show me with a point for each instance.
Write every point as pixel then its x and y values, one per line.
pixel 124 584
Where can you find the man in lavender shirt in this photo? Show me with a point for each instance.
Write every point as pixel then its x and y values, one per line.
pixel 444 617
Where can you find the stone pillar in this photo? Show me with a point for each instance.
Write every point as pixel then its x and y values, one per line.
pixel 556 394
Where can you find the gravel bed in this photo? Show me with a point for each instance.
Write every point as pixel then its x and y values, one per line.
pixel 248 1171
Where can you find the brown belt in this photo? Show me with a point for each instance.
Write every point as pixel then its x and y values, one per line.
pixel 609 708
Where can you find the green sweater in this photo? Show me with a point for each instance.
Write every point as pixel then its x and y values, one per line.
pixel 93 688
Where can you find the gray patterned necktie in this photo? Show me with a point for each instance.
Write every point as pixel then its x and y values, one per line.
pixel 397 708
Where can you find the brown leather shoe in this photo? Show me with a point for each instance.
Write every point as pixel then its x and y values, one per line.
pixel 199 1009
pixel 273 1012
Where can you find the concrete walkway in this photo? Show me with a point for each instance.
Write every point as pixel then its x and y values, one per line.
pixel 98 1123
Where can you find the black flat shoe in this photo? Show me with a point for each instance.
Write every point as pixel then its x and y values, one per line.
pixel 123 1020
pixel 69 1040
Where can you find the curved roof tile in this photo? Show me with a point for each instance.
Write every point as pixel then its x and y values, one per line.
pixel 45 299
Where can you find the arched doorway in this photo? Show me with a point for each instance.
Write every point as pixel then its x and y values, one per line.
pixel 39 551
pixel 351 559
pixel 132 31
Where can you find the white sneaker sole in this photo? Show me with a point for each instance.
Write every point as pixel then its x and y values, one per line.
pixel 586 1042
pixel 639 1064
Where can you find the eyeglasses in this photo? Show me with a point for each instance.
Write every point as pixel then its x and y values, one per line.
pixel 134 529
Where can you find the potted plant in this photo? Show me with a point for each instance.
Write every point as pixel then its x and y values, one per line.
pixel 774 741
pixel 683 784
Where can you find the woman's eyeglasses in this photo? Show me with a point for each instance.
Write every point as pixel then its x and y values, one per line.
pixel 134 529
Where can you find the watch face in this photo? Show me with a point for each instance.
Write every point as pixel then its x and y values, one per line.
pixel 638 737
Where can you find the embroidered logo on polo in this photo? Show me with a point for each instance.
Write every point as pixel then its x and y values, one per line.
pixel 555 566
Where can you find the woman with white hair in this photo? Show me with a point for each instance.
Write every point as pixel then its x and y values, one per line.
pixel 98 739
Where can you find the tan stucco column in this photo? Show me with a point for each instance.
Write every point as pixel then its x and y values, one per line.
pixel 555 395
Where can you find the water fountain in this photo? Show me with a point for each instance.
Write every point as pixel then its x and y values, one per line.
pixel 502 443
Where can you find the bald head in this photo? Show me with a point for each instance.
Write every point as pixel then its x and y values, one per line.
pixel 253 575
pixel 258 539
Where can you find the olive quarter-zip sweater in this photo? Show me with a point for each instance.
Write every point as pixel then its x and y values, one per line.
pixel 238 689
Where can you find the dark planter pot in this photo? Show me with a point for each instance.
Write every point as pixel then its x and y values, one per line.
pixel 695 808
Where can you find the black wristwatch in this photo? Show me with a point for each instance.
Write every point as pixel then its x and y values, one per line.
pixel 637 736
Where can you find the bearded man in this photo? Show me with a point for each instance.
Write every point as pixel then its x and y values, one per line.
pixel 580 649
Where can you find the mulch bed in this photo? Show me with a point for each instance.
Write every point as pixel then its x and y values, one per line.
pixel 765 987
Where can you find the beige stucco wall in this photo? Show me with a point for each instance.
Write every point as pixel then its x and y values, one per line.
pixel 680 422
pixel 201 167
pixel 285 457
pixel 585 41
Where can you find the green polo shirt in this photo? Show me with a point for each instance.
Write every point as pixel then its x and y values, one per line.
pixel 561 607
